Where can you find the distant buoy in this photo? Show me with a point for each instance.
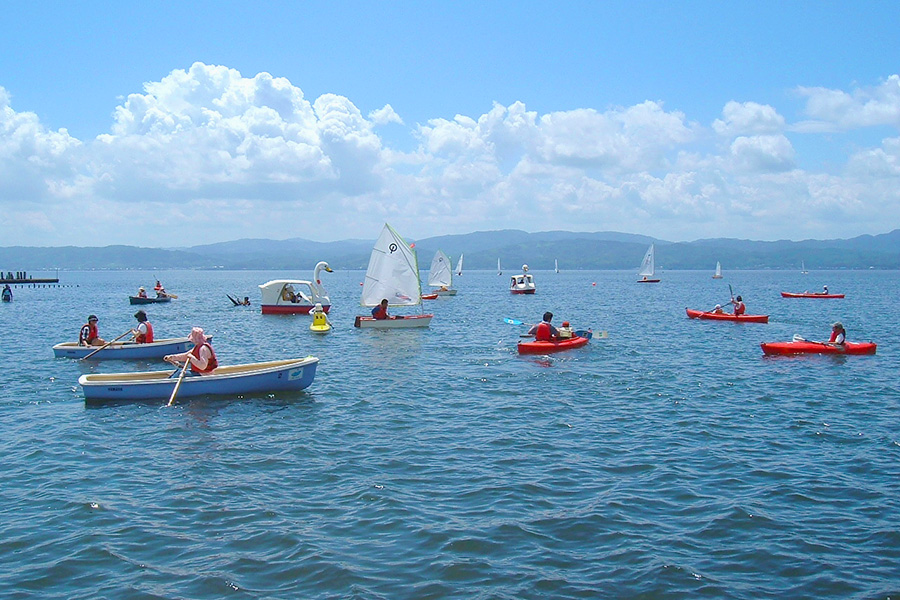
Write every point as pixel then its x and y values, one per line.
pixel 595 283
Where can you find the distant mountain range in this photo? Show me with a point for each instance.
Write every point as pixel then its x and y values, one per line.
pixel 599 250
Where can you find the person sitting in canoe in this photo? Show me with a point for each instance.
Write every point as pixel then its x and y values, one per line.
pixel 143 333
pixel 565 332
pixel 824 291
pixel 718 310
pixel 246 301
pixel 202 356
pixel 544 331
pixel 838 335
pixel 380 312
pixel 90 335
pixel 142 293
pixel 739 307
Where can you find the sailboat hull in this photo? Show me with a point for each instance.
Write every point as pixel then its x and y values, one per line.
pixel 404 322
pixel 450 292
pixel 648 280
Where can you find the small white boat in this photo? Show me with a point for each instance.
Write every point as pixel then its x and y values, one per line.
pixel 459 265
pixel 522 284
pixel 556 265
pixel 648 267
pixel 440 276
pixel 123 350
pixel 392 274
pixel 295 296
pixel 251 378
pixel 718 273
pixel 499 270
pixel 803 270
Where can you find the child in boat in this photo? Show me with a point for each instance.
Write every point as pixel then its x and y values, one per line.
pixel 90 335
pixel 717 310
pixel 320 319
pixel 142 293
pixel 565 332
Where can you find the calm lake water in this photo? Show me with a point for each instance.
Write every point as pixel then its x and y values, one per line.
pixel 669 460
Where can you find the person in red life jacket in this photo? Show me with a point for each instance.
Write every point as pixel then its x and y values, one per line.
pixel 838 335
pixel 380 312
pixel 143 334
pixel 90 335
pixel 544 331
pixel 202 357
pixel 142 293
pixel 739 307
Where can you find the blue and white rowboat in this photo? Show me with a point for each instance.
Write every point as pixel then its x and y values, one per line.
pixel 124 350
pixel 251 378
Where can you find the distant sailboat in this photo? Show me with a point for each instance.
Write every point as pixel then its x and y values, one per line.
pixel 556 265
pixel 647 267
pixel 499 270
pixel 803 270
pixel 459 266
pixel 440 275
pixel 718 274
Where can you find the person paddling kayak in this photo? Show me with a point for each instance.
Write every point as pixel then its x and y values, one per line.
pixel 739 307
pixel 838 335
pixel 544 331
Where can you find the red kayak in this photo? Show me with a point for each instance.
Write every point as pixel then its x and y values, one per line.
pixel 805 347
pixel 536 347
pixel 809 295
pixel 714 316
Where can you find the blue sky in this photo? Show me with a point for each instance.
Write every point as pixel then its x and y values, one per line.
pixel 208 122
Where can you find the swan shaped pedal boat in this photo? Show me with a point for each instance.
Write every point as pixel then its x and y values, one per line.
pixel 295 296
pixel 250 378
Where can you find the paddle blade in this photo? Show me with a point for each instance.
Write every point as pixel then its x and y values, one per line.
pixel 797 338
pixel 585 333
pixel 512 321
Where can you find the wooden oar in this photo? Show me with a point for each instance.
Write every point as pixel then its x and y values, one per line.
pixel 170 295
pixel 178 383
pixel 233 301
pixel 106 345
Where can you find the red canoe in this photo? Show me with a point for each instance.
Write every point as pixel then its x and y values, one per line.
pixel 817 348
pixel 536 347
pixel 809 295
pixel 713 316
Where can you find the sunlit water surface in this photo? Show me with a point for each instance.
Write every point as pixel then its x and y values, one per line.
pixel 669 460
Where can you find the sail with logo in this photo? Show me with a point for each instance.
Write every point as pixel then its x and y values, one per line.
pixel 392 275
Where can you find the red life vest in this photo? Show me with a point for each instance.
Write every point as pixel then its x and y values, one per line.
pixel 88 334
pixel 739 308
pixel 210 365
pixel 543 333
pixel 145 338
pixel 379 313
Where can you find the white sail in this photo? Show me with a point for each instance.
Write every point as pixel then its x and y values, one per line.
pixel 647 265
pixel 440 274
pixel 499 270
pixel 718 274
pixel 393 272
pixel 459 265
pixel 556 265
pixel 803 270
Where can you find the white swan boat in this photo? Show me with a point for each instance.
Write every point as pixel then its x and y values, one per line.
pixel 393 274
pixel 295 296
pixel 522 284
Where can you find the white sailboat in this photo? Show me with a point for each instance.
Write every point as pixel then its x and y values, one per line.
pixel 459 265
pixel 718 273
pixel 440 275
pixel 803 270
pixel 648 267
pixel 499 270
pixel 393 275
pixel 556 265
